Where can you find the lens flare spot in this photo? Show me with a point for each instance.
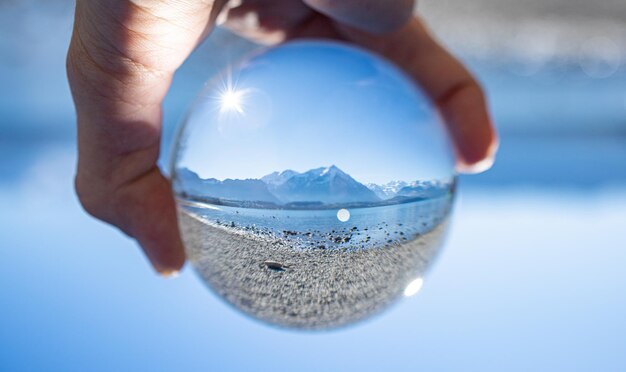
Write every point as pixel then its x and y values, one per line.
pixel 413 287
pixel 343 215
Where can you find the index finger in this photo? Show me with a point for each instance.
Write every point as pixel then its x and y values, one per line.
pixel 446 81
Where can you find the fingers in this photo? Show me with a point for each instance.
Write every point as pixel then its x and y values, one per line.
pixel 120 63
pixel 264 21
pixel 450 86
pixel 374 16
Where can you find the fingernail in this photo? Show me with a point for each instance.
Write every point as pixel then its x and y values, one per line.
pixel 482 165
pixel 476 168
pixel 170 274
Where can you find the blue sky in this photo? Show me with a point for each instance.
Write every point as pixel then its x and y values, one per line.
pixel 349 109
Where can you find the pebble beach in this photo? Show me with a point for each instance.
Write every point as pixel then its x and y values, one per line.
pixel 276 282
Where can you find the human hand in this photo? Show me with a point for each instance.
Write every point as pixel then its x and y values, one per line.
pixel 122 58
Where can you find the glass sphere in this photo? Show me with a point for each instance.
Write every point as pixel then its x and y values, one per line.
pixel 314 181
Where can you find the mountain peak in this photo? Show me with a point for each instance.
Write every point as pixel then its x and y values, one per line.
pixel 333 169
pixel 326 185
pixel 327 170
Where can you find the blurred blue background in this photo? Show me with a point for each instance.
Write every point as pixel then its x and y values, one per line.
pixel 532 276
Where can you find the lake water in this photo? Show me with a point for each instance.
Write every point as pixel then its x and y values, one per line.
pixel 328 229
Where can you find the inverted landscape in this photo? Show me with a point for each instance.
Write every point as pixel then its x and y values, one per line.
pixel 313 249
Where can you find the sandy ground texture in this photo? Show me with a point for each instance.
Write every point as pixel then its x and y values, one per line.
pixel 309 289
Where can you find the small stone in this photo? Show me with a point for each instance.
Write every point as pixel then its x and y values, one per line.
pixel 275 265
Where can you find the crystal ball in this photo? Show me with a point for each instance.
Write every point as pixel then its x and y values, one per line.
pixel 314 181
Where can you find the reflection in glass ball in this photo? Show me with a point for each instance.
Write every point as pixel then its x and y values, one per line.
pixel 314 182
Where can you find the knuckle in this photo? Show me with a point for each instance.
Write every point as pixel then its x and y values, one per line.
pixel 464 89
pixel 475 88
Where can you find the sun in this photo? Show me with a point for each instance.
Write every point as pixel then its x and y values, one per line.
pixel 231 100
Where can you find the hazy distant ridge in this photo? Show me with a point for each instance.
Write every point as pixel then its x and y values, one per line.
pixel 324 186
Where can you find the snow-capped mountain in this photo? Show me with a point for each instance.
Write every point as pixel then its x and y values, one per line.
pixel 424 189
pixel 416 189
pixel 327 185
pixel 388 190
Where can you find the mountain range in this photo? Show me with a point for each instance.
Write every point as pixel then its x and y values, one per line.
pixel 320 186
pixel 423 189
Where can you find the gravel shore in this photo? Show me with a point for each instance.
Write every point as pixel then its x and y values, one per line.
pixel 303 288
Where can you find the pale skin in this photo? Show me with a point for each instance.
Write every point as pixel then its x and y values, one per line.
pixel 122 58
